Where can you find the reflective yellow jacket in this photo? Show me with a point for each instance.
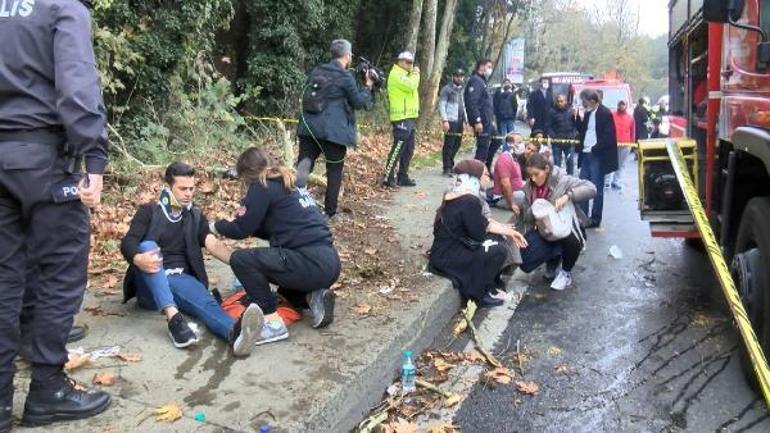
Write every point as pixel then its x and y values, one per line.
pixel 403 94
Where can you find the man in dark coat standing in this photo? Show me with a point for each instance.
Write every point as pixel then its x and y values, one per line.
pixel 641 117
pixel 598 150
pixel 538 103
pixel 478 106
pixel 561 125
pixel 506 106
pixel 327 123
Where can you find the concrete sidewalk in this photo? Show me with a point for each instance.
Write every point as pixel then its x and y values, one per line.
pixel 317 381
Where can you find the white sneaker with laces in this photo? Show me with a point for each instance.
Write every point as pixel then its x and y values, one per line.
pixel 562 281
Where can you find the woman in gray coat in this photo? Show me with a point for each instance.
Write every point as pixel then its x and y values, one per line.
pixel 553 184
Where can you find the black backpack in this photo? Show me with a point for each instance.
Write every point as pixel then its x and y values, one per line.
pixel 315 95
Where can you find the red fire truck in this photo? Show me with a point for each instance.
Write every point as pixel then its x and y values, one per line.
pixel 719 60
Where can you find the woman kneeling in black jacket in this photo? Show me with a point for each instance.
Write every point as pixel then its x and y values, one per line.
pixel 301 258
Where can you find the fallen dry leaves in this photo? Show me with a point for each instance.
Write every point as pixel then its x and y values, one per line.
pixel 553 351
pixel 105 379
pixel 169 412
pixel 453 400
pixel 129 357
pixel 362 309
pixel 77 361
pixel 500 375
pixel 441 365
pixel 528 388
pixel 444 427
pixel 403 426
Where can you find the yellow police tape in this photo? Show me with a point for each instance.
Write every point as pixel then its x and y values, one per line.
pixel 453 134
pixel 753 348
pixel 293 121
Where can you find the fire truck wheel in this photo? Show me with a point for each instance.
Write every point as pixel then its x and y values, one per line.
pixel 751 273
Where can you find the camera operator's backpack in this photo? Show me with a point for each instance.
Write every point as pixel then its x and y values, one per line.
pixel 314 97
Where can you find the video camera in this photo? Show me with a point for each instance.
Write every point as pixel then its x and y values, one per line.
pixel 366 68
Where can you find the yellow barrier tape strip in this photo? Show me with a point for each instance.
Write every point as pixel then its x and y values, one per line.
pixel 758 359
pixel 271 119
pixel 496 137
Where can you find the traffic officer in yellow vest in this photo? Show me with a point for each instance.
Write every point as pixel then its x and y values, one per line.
pixel 404 100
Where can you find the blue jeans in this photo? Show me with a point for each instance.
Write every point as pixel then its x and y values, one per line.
pixel 538 251
pixel 505 127
pixel 591 170
pixel 158 291
pixel 567 150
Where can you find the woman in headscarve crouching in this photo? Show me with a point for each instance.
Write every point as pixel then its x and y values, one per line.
pixel 468 248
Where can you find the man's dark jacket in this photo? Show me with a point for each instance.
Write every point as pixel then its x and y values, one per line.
pixel 561 124
pixel 147 225
pixel 606 147
pixel 506 105
pixel 337 122
pixel 641 117
pixel 478 103
pixel 537 107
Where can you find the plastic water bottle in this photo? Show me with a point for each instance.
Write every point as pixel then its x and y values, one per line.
pixel 408 374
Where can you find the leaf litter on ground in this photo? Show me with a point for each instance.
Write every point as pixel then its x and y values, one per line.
pixel 169 412
pixel 528 388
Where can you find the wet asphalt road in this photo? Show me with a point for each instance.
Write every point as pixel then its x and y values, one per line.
pixel 640 344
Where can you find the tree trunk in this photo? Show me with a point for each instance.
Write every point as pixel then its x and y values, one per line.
pixel 428 42
pixel 413 29
pixel 432 82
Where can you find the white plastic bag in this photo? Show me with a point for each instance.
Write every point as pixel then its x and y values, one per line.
pixel 553 225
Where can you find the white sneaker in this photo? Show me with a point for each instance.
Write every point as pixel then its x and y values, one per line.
pixel 562 281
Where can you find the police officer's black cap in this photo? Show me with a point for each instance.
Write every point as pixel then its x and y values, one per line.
pixel 459 73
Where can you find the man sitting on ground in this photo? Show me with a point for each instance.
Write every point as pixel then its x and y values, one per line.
pixel 166 270
pixel 507 176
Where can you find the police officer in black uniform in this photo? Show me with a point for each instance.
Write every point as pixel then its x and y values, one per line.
pixel 52 123
pixel 478 105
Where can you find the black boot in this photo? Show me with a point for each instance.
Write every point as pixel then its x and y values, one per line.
pixel 77 333
pixel 5 414
pixel 5 419
pixel 59 400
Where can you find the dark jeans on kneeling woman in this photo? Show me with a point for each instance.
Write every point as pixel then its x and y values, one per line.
pixel 296 272
pixel 540 251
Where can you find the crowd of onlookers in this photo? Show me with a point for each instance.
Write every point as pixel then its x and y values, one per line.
pixel 552 182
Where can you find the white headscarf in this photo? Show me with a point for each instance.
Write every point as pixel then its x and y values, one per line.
pixel 466 184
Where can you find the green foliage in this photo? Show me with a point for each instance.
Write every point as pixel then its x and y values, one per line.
pixel 286 39
pixel 204 119
pixel 143 47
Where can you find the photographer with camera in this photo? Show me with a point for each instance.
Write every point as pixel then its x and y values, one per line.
pixel 404 101
pixel 327 122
